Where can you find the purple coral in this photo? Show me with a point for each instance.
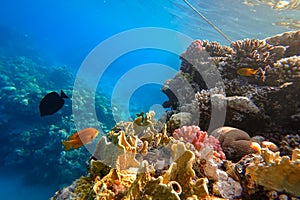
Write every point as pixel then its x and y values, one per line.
pixel 194 135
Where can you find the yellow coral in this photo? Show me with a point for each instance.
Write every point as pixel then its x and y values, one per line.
pixel 120 156
pixel 277 173
pixel 113 184
pixel 182 172
pixel 147 187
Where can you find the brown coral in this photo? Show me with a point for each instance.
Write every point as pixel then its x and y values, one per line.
pixel 254 53
pixel 284 39
pixel 287 69
pixel 235 142
pixel 288 143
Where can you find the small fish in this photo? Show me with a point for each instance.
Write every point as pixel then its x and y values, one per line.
pixel 247 71
pixel 52 102
pixel 80 138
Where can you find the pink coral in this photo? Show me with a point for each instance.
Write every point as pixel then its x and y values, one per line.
pixel 194 135
pixel 197 44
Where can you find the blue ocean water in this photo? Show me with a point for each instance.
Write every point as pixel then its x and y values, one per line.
pixel 41 40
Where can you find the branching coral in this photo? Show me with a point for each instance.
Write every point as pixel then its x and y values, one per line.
pixel 199 139
pixel 288 69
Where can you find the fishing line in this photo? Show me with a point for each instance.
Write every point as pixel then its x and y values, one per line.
pixel 205 19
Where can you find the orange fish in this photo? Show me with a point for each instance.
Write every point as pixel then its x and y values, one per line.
pixel 80 138
pixel 247 71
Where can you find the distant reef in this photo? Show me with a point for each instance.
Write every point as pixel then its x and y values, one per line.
pixel 32 144
pixel 252 152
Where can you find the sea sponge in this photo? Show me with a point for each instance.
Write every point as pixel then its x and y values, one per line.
pixel 200 139
pixel 275 172
pixel 235 143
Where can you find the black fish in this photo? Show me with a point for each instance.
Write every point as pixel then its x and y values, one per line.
pixel 52 102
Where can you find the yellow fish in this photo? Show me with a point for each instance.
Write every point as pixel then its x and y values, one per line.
pixel 80 138
pixel 247 71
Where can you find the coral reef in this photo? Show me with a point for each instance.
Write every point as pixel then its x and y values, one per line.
pixel 180 169
pixel 169 169
pixel 176 157
pixel 244 98
pixel 288 143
